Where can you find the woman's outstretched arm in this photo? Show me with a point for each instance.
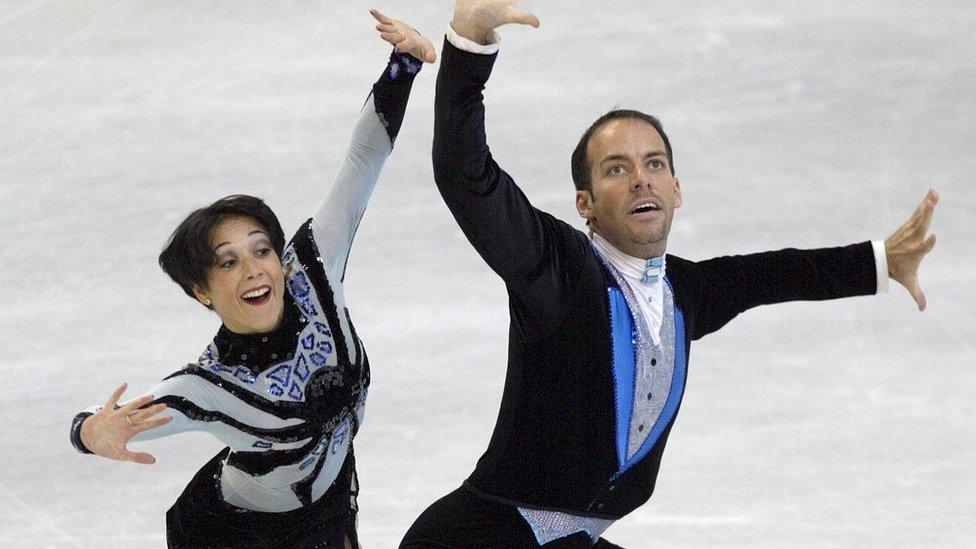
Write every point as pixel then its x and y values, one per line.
pixel 334 224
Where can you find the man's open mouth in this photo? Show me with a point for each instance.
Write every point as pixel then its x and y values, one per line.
pixel 644 207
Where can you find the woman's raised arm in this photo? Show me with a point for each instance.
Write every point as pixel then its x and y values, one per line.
pixel 334 224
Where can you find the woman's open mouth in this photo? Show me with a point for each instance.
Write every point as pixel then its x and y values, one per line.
pixel 257 296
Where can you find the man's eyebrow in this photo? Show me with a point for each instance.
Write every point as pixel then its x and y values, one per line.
pixel 648 154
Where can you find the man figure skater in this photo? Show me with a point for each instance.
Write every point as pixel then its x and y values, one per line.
pixel 601 324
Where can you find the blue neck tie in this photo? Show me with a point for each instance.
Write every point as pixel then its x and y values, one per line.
pixel 652 270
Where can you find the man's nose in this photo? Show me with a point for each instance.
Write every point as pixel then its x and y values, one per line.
pixel 642 178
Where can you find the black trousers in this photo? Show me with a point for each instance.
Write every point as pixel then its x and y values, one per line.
pixel 463 519
pixel 201 518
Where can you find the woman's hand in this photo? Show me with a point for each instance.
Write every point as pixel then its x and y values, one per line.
pixel 107 432
pixel 404 38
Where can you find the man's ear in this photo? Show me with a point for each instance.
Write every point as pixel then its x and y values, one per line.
pixel 677 194
pixel 202 296
pixel 584 204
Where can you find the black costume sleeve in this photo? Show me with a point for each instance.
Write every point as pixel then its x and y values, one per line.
pixel 76 432
pixel 534 253
pixel 730 285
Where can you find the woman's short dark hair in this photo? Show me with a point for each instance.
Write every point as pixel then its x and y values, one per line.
pixel 580 163
pixel 188 254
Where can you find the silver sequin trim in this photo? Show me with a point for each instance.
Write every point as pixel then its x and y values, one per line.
pixel 552 525
pixel 654 364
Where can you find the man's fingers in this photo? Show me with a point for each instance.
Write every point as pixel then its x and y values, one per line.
pixel 928 209
pixel 929 244
pixel 113 399
pixel 522 17
pixel 392 37
pixel 917 295
pixel 383 27
pixel 379 16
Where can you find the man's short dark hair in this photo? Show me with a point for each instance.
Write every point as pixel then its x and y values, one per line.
pixel 580 163
pixel 188 254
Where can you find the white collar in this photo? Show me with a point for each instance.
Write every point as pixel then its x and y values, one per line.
pixel 646 271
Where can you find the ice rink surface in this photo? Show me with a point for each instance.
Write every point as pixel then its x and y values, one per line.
pixel 841 424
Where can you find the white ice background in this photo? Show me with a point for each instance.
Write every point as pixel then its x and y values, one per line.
pixel 794 123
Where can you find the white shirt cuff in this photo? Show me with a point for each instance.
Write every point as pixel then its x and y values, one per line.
pixel 880 265
pixel 471 46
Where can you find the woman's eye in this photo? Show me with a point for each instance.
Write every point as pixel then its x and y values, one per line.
pixel 263 252
pixel 228 264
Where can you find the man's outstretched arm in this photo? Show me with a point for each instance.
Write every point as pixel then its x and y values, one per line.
pixel 731 285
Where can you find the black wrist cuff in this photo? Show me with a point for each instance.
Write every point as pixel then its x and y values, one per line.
pixel 76 433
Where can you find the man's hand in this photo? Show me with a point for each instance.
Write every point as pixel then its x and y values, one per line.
pixel 906 247
pixel 107 432
pixel 476 19
pixel 404 38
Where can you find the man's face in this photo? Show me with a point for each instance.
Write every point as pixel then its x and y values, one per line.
pixel 633 195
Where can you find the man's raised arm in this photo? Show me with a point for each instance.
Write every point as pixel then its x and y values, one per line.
pixel 490 209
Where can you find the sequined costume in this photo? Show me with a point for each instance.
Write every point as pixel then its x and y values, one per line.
pixel 289 402
pixel 592 388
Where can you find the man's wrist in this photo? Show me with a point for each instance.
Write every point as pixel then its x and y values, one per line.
pixel 477 34
pixel 461 42
pixel 880 265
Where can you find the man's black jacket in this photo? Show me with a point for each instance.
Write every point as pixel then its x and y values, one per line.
pixel 553 444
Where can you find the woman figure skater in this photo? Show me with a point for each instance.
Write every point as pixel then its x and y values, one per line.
pixel 284 381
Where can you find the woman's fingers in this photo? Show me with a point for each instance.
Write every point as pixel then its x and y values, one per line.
pixel 146 413
pixel 137 457
pixel 404 37
pixel 113 399
pixel 135 404
pixel 430 54
pixel 152 423
pixel 379 16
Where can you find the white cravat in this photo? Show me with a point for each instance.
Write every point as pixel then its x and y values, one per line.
pixel 650 295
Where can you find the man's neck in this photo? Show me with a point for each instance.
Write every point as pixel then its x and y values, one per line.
pixel 637 255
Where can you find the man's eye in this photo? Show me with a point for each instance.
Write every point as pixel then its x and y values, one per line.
pixel 656 164
pixel 615 170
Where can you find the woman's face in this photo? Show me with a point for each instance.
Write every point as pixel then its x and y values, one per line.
pixel 246 284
